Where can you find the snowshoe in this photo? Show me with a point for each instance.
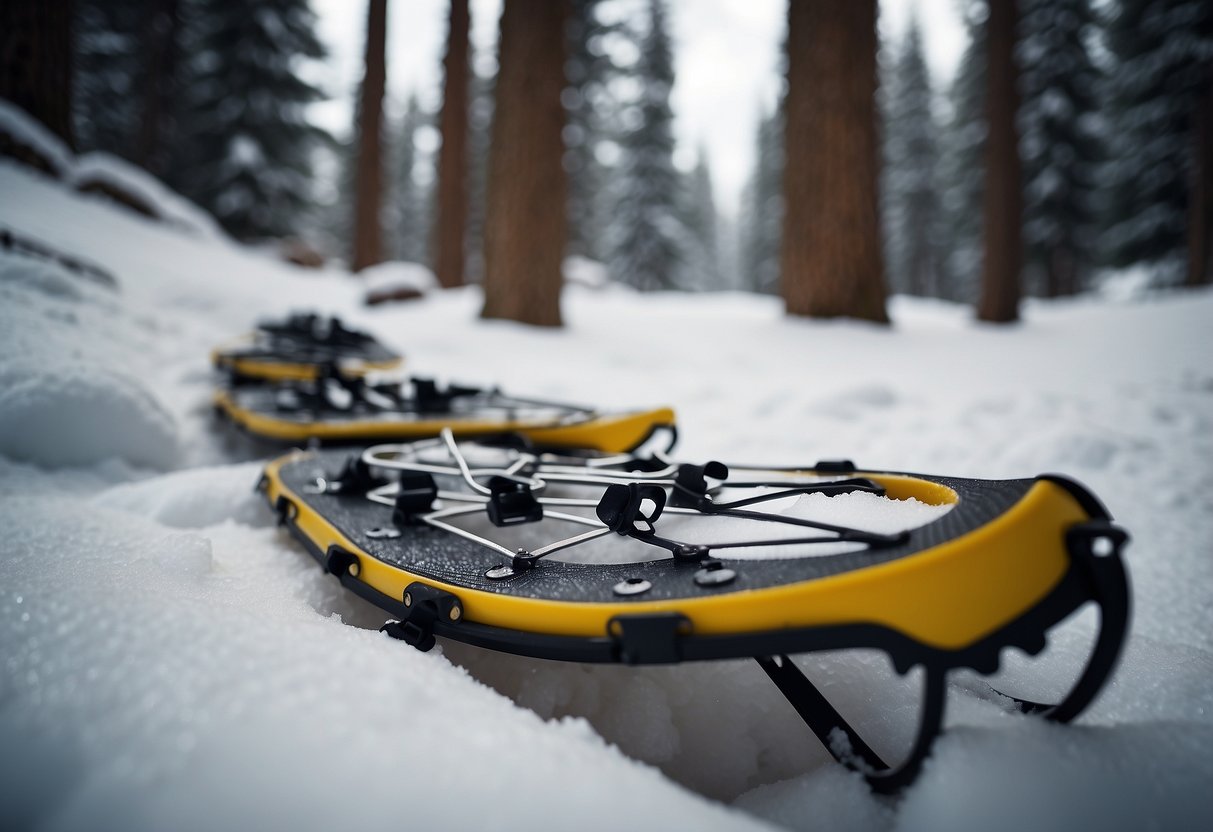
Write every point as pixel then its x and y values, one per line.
pixel 300 348
pixel 637 559
pixel 339 408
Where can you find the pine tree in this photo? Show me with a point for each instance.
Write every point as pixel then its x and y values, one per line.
pixel 1060 143
pixel 36 61
pixel 590 106
pixel 915 252
pixel 369 171
pixel 1002 208
pixel 249 138
pixel 963 165
pixel 410 197
pixel 703 270
pixel 649 239
pixel 525 223
pixel 831 262
pixel 762 211
pixel 480 140
pixel 1161 174
pixel 450 228
pixel 106 70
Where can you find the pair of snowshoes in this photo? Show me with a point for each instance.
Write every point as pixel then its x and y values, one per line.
pixel 313 380
pixel 603 553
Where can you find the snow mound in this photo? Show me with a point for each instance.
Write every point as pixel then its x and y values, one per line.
pixel 582 271
pixel 24 130
pixel 40 276
pixel 62 415
pixel 195 498
pixel 185 682
pixel 108 174
pixel 397 274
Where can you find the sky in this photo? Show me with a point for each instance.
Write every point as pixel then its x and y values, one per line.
pixel 727 61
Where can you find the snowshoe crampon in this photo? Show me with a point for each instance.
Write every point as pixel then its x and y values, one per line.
pixel 339 408
pixel 301 348
pixel 640 560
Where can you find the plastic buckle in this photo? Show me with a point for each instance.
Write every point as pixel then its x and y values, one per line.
pixel 511 502
pixel 691 485
pixel 416 496
pixel 631 508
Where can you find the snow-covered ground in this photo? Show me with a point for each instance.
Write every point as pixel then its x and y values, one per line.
pixel 171 660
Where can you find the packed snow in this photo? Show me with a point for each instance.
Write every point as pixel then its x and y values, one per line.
pixel 173 660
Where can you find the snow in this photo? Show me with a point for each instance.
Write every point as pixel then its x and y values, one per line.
pixel 173 660
pixel 396 276
pixel 26 131
pixel 106 169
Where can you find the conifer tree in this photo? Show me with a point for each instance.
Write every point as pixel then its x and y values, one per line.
pixel 480 133
pixel 1060 143
pixel 963 164
pixel 910 200
pixel 106 70
pixel 1002 211
pixel 649 238
pixel 703 270
pixel 450 227
pixel 249 139
pixel 525 224
pixel 831 263
pixel 410 197
pixel 1161 173
pixel 369 179
pixel 761 223
pixel 590 108
pixel 36 61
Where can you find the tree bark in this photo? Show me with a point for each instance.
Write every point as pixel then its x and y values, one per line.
pixel 1200 197
pixel 36 61
pixel 831 262
pixel 368 189
pixel 1003 209
pixel 452 196
pixel 525 225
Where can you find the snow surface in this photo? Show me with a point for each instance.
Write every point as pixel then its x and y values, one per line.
pixel 169 206
pixel 172 660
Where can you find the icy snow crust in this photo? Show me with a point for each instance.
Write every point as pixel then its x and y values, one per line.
pixel 171 660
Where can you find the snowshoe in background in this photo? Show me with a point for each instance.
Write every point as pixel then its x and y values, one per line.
pixel 640 560
pixel 299 348
pixel 338 407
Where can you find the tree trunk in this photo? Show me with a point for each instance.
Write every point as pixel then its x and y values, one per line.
pixel 1000 273
pixel 368 189
pixel 160 49
pixel 453 157
pixel 36 62
pixel 1200 204
pixel 831 258
pixel 525 226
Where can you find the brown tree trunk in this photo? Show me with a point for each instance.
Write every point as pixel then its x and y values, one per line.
pixel 831 262
pixel 368 188
pixel 453 157
pixel 1200 204
pixel 35 61
pixel 525 227
pixel 1000 271
pixel 160 48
